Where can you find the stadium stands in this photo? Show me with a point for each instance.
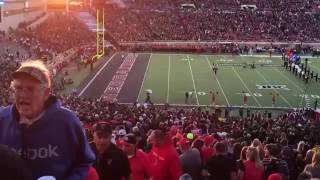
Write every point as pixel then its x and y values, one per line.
pixel 209 21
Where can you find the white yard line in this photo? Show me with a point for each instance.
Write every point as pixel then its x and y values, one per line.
pixel 244 84
pixel 210 66
pixel 314 67
pixel 94 77
pixel 168 90
pixel 144 77
pixel 194 84
pixel 273 89
pixel 288 79
pixel 298 87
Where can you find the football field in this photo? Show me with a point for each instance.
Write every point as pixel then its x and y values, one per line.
pixel 170 76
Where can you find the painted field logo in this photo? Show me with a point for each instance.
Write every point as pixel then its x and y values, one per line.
pixel 271 86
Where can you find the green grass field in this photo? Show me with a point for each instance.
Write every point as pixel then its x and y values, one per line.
pixel 169 76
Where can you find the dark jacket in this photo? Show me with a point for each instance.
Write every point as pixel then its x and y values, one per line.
pixel 113 164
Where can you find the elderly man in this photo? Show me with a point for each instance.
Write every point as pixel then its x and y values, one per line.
pixel 48 136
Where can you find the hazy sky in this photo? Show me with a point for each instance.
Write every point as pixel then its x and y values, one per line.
pixel 56 1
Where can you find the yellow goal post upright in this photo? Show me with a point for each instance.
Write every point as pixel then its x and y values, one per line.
pixel 100 29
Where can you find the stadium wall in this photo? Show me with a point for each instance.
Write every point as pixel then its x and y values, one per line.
pixel 15 12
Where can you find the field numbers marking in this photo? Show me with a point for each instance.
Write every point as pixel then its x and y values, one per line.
pixel 308 98
pixel 310 95
pixel 187 59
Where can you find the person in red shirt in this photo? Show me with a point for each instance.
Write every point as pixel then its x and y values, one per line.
pixel 208 150
pixel 139 162
pixel 252 168
pixel 164 159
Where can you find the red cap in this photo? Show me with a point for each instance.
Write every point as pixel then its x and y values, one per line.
pixel 275 176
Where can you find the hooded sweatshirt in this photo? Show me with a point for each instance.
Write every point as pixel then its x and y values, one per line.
pixel 55 145
pixel 165 162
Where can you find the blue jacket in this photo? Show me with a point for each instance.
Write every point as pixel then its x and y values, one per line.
pixel 55 145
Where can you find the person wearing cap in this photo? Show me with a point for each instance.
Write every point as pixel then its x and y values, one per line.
pixel 139 162
pixel 47 136
pixel 164 159
pixel 190 159
pixel 112 162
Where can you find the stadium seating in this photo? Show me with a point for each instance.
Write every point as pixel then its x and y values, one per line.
pixel 210 21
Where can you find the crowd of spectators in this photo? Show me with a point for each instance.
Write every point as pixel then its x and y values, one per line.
pixel 288 5
pixel 276 138
pixel 52 38
pixel 214 20
pixel 58 33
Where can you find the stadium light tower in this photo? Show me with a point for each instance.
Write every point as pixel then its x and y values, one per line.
pixel 67 5
pixel 100 29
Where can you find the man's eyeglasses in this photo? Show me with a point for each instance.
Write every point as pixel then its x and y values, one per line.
pixel 28 90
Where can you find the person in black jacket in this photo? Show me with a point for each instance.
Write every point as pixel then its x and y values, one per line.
pixel 111 163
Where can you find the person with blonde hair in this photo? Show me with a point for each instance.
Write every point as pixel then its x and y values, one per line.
pixel 252 168
pixel 256 142
pixel 314 167
pixel 47 136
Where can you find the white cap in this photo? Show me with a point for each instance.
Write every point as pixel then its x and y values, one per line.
pixel 46 178
pixel 122 132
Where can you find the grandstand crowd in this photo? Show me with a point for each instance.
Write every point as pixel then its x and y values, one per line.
pixel 214 21
pixel 143 141
pixel 57 34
